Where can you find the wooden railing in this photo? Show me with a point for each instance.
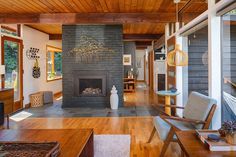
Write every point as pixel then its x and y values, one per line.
pixel 227 80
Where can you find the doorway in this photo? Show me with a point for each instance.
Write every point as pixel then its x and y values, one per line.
pixel 12 49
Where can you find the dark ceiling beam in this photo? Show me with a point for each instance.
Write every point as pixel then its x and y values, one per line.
pixel 143 44
pixel 92 18
pixel 141 37
pixel 186 5
pixel 55 37
pixel 126 37
pixel 181 11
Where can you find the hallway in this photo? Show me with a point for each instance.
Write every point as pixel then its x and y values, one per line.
pixel 141 97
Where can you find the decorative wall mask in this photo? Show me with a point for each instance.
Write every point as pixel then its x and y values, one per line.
pixel 205 58
pixel 36 70
pixel 90 50
pixel 32 53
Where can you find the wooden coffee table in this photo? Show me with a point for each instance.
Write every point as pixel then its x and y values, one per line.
pixel 73 142
pixel 193 147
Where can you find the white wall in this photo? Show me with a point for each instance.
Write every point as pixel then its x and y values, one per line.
pixel 37 39
pixel 140 58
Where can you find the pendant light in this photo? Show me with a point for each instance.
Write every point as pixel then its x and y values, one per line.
pixel 177 57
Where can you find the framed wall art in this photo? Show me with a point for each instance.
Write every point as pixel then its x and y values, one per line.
pixel 127 59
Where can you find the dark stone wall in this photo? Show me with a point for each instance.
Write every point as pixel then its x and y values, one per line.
pixel 129 48
pixel 111 37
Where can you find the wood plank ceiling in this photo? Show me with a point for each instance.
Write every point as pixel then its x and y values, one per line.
pixel 11 8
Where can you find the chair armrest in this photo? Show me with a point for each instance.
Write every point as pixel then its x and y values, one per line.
pixel 172 106
pixel 11 114
pixel 183 119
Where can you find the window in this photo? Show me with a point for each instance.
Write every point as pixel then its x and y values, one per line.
pixel 229 66
pixel 198 61
pixel 54 63
pixel 12 30
pixel 12 59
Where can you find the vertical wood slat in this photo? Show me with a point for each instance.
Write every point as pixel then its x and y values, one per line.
pixel 171 80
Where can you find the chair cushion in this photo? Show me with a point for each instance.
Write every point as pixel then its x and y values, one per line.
pixel 163 128
pixel 47 97
pixel 198 107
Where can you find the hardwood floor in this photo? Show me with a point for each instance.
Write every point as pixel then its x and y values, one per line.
pixel 138 127
pixel 141 97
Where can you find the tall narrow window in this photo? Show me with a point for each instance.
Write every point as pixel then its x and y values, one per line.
pixel 12 59
pixel 229 66
pixel 198 61
pixel 54 63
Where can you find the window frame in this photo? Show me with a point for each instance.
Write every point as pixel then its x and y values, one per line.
pixel 221 14
pixel 50 49
pixel 17 30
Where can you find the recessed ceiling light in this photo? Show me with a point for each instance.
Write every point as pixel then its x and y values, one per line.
pixel 176 1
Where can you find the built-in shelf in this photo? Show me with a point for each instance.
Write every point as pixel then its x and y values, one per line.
pixel 129 85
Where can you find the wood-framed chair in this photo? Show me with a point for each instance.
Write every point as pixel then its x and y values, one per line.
pixel 11 114
pixel 197 114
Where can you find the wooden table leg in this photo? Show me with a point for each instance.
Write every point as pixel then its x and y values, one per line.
pixel 167 101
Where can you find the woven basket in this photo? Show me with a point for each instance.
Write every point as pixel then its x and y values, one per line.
pixel 36 100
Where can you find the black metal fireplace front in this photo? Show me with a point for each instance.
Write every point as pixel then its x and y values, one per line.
pixel 90 83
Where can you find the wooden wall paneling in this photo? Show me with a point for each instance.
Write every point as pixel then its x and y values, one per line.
pixel 144 62
pixel 144 28
pixel 141 37
pixel 151 69
pixel 93 18
pixel 171 72
pixel 7 97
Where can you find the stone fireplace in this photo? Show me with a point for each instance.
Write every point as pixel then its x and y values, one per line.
pixel 88 84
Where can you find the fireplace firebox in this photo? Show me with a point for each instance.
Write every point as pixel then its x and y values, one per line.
pixel 89 87
pixel 90 84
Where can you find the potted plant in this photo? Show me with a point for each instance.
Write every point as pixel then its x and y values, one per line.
pixel 228 130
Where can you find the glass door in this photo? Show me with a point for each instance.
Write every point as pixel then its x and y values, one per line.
pixel 229 66
pixel 12 59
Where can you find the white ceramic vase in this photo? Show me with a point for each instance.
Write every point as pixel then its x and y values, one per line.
pixel 114 99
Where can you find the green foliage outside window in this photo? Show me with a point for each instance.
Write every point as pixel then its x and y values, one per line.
pixel 58 61
pixel 11 56
pixel 233 12
pixel 54 64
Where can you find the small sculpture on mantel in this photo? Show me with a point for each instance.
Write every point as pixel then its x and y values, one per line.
pixel 114 99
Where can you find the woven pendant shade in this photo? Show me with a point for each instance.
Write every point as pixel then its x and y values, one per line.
pixel 177 57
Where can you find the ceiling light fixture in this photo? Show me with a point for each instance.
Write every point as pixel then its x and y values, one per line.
pixel 177 57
